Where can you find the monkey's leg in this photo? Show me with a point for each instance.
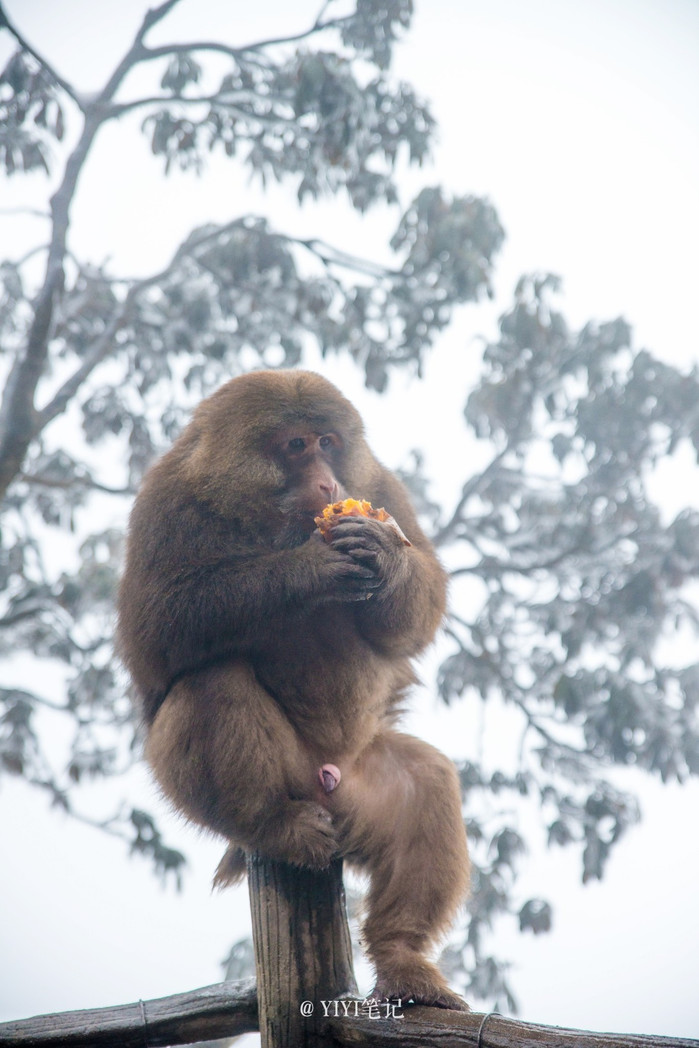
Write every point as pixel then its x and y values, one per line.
pixel 225 754
pixel 399 813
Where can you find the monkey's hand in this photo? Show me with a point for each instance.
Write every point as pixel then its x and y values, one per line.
pixel 402 609
pixel 379 547
pixel 338 575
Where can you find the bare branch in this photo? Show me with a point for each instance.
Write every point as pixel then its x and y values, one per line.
pixel 138 52
pixel 317 27
pixel 100 350
pixel 114 112
pixel 33 212
pixel 332 256
pixel 155 15
pixel 85 480
pixel 30 698
pixel 164 50
pixel 446 533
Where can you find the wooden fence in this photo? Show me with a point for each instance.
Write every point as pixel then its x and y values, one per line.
pixel 305 995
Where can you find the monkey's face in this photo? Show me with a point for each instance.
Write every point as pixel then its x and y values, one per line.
pixel 311 462
pixel 272 449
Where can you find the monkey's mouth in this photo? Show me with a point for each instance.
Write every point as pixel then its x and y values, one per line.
pixel 298 528
pixel 306 519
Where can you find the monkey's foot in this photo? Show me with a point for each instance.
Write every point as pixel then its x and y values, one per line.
pixel 301 833
pixel 419 982
pixel 329 776
pixel 436 997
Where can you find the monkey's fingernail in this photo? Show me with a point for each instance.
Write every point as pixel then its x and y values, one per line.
pixel 329 776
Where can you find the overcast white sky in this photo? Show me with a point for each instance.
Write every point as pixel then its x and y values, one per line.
pixel 579 118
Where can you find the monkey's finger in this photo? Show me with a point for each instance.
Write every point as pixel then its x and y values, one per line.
pixel 360 553
pixel 384 531
pixel 350 545
pixel 367 556
pixel 367 545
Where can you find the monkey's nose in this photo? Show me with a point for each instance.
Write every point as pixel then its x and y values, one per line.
pixel 330 491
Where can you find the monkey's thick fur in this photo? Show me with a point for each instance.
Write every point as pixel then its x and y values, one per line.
pixel 260 653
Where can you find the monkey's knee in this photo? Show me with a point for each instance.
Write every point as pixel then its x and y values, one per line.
pixel 224 753
pixel 404 795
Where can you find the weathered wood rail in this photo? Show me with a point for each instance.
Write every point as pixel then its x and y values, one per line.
pixel 304 964
pixel 229 1009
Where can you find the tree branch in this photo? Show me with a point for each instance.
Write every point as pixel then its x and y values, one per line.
pixel 332 256
pixel 155 15
pixel 148 54
pixel 79 480
pixel 33 212
pixel 19 420
pixel 104 344
pixel 317 27
pixel 445 533
pixel 102 347
pixel 114 112
pixel 99 351
pixel 26 46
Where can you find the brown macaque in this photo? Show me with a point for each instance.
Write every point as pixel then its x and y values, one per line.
pixel 271 664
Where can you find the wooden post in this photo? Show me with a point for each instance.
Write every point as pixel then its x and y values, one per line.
pixel 303 952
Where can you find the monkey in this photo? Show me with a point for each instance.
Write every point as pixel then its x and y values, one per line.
pixel 270 664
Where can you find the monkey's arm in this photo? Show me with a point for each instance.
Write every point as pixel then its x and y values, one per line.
pixel 193 592
pixel 242 601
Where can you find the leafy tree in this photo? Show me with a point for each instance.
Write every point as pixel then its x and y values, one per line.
pixel 567 580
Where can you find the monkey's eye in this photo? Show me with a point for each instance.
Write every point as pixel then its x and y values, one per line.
pixel 296 444
pixel 327 441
